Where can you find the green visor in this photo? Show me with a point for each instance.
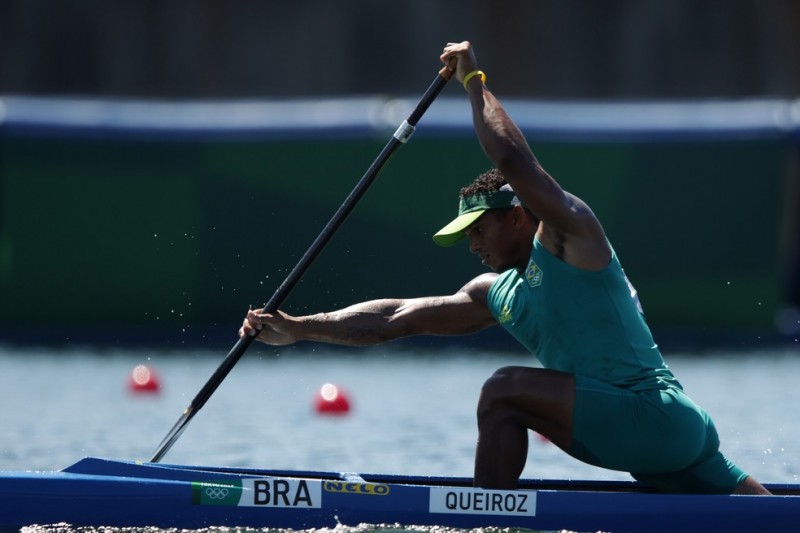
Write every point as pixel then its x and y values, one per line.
pixel 470 208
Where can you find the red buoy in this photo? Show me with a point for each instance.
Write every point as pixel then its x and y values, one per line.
pixel 143 379
pixel 332 400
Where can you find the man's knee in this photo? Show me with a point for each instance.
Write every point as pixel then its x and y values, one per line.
pixel 500 384
pixel 501 379
pixel 494 392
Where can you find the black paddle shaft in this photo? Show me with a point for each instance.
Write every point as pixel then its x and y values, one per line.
pixel 402 135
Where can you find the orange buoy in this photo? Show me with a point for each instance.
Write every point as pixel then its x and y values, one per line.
pixel 143 379
pixel 332 400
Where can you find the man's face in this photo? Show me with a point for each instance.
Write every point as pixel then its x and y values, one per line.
pixel 490 239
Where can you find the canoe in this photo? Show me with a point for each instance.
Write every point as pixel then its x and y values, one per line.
pixel 101 492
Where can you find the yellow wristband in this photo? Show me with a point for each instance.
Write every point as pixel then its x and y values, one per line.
pixel 472 75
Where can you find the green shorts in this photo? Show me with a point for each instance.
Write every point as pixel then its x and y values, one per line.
pixel 660 436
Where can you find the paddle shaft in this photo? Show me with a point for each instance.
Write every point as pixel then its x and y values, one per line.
pixel 402 135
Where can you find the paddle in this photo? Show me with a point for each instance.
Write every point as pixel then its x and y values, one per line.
pixel 400 136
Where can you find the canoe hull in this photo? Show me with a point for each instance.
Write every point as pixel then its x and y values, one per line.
pixel 97 492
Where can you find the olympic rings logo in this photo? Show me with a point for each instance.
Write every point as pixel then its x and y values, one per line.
pixel 217 493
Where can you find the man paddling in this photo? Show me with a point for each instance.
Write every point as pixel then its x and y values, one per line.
pixel 605 395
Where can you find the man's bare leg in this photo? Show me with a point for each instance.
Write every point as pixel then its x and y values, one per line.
pixel 751 487
pixel 512 401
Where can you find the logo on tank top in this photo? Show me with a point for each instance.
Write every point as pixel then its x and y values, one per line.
pixel 505 315
pixel 533 274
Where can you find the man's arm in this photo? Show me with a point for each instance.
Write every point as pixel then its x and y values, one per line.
pixel 569 228
pixel 379 321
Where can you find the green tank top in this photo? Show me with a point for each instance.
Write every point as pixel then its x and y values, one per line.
pixel 580 322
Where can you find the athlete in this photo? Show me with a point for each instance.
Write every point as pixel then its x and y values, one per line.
pixel 605 395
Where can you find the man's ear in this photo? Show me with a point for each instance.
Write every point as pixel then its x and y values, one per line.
pixel 519 216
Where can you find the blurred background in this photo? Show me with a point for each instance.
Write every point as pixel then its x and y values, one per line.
pixel 534 49
pixel 164 164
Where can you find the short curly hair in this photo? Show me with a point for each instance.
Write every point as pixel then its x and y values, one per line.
pixel 489 181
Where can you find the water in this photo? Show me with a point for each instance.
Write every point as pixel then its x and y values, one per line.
pixel 412 413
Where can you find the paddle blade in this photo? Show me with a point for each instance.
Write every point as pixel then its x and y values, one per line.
pixel 173 434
